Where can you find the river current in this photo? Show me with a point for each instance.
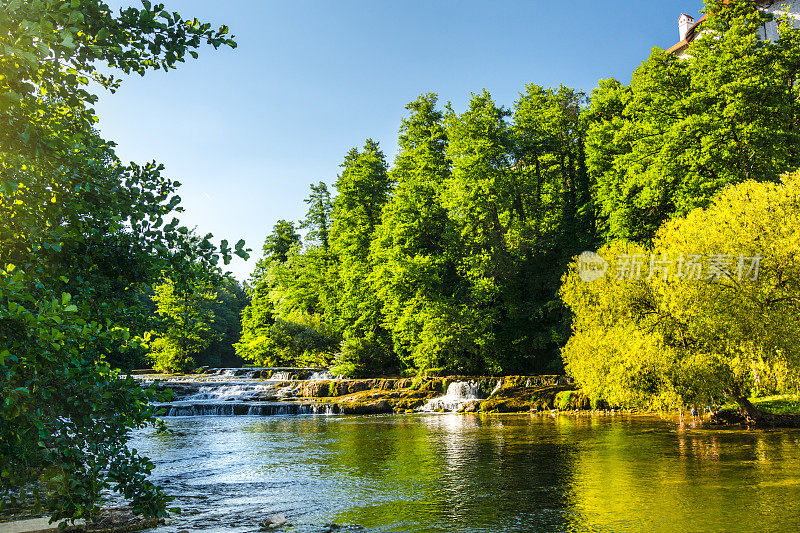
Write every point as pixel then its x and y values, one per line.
pixel 473 473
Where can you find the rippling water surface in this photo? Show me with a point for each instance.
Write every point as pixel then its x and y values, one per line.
pixel 474 474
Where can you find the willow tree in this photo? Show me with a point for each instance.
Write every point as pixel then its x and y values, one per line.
pixel 687 127
pixel 713 315
pixel 80 232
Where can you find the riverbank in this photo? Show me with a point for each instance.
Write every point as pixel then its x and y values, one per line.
pixel 109 520
pixel 280 392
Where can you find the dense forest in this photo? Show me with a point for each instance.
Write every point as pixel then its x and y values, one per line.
pixel 451 260
pixel 457 258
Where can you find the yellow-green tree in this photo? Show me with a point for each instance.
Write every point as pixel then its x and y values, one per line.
pixel 714 314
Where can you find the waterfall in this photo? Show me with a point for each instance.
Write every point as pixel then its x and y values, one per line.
pixel 458 393
pixel 240 391
pixel 232 391
pixel 247 408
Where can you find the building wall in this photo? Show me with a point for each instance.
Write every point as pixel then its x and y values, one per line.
pixel 779 8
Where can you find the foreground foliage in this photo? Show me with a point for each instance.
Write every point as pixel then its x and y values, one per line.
pixel 81 233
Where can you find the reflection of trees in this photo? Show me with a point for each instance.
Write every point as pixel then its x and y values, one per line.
pixel 470 472
pixel 489 473
pixel 644 476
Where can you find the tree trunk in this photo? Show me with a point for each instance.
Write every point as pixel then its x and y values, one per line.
pixel 757 418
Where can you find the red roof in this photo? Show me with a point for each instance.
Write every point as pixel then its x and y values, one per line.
pixel 690 35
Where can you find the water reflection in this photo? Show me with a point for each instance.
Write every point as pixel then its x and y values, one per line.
pixel 476 473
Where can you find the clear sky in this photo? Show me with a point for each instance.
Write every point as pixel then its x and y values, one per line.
pixel 247 130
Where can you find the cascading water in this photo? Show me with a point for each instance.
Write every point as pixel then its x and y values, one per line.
pixel 248 408
pixel 237 391
pixel 458 393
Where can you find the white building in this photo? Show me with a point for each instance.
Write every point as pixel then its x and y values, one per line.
pixel 689 28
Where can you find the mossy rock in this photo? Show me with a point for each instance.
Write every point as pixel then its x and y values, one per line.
pixel 518 399
pixel 508 400
pixel 572 400
pixel 316 389
pixel 432 385
pixel 404 383
pixel 386 384
pixel 366 408
pixel 359 385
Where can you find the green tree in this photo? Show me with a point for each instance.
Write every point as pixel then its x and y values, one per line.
pixel 280 241
pixel 415 248
pixel 363 189
pixel 286 323
pixel 187 320
pixel 81 233
pixel 476 197
pixel 688 127
pixel 226 307
pixel 731 333
pixel 551 219
pixel 257 318
pixel 519 198
pixel 318 218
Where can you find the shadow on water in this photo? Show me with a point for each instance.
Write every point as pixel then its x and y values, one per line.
pixel 475 473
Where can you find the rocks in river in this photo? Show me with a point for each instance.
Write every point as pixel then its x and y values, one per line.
pixel 471 406
pixel 179 390
pixel 116 519
pixel 273 522
pixel 264 392
pixel 367 408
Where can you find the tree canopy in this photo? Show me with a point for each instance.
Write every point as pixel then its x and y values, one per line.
pixel 448 262
pixel 686 127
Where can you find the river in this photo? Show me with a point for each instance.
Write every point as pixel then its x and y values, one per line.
pixel 474 473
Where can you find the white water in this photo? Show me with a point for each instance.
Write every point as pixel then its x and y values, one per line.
pixel 239 394
pixel 458 393
pixel 225 392
pixel 247 408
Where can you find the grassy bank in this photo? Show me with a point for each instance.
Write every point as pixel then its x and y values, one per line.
pixel 780 404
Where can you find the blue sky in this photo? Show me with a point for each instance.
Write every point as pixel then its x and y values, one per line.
pixel 247 130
